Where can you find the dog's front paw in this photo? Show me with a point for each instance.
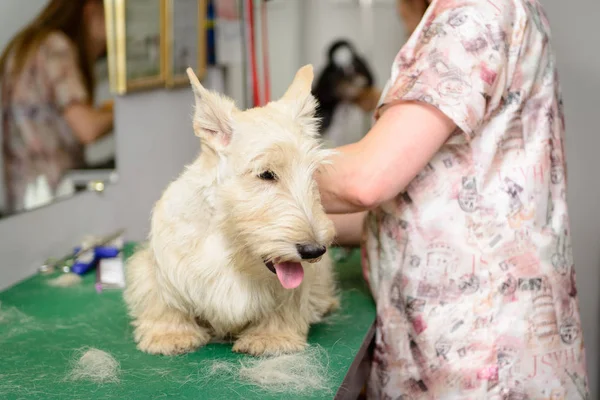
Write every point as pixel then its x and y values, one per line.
pixel 269 345
pixel 332 305
pixel 323 308
pixel 172 343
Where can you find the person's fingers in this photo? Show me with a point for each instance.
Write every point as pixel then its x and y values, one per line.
pixel 367 100
pixel 107 105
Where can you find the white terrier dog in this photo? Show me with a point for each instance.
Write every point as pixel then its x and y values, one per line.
pixel 236 243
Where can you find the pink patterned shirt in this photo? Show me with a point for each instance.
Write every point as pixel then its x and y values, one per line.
pixel 471 266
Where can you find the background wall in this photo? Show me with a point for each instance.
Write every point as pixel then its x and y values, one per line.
pixel 155 140
pixel 15 14
pixel 575 33
pixel 151 152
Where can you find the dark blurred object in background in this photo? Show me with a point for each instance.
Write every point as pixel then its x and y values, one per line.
pixel 211 56
pixel 343 79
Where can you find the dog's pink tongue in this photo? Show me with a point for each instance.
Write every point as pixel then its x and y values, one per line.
pixel 290 274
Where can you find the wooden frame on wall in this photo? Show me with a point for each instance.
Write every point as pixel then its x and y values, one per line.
pixel 175 72
pixel 129 70
pixel 109 12
pixel 136 61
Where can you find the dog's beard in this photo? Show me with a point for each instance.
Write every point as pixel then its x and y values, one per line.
pixel 289 273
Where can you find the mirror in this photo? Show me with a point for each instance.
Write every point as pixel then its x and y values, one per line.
pixel 56 128
pixel 56 141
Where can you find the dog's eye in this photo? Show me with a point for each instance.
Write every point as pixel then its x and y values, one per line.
pixel 268 176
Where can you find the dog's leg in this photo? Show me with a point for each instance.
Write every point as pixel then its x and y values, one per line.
pixel 323 298
pixel 281 333
pixel 158 328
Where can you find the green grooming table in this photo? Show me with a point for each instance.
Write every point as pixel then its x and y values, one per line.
pixel 41 327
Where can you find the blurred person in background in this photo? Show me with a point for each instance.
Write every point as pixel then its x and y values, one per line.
pixel 47 88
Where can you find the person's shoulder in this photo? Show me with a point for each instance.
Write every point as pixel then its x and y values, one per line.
pixel 496 21
pixel 505 14
pixel 57 41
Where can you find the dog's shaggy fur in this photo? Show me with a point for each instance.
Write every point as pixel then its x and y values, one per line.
pixel 246 208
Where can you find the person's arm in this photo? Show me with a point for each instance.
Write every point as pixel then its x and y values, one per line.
pixel 88 123
pixel 70 94
pixel 365 174
pixel 438 85
pixel 348 228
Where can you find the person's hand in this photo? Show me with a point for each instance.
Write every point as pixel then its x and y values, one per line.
pixel 107 106
pixel 367 99
pixel 350 90
pixel 89 123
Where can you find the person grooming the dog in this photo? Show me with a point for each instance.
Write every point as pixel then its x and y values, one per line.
pixel 466 244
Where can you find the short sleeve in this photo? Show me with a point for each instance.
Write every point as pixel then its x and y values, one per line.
pixel 455 61
pixel 62 68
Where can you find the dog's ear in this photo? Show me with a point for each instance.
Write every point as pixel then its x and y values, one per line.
pixel 298 97
pixel 213 115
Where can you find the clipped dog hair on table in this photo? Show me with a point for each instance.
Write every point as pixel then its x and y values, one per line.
pixel 94 365
pixel 296 373
pixel 65 280
pixel 299 373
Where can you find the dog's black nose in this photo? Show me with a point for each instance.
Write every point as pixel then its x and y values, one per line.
pixel 310 251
